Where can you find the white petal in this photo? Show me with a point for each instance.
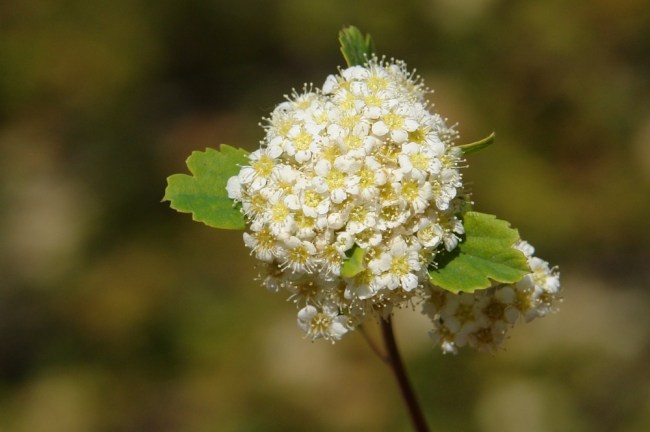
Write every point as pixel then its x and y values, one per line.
pixel 292 202
pixel 338 196
pixel 355 73
pixel 275 148
pixel 307 313
pixel 322 168
pixel 411 125
pixel 335 221
pixel 373 113
pixel 399 136
pixel 505 295
pixel 398 246
pixel 330 84
pixel 303 156
pixel 233 187
pixel 409 282
pixel 379 128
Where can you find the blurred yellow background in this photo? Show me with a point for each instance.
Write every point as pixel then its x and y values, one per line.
pixel 119 314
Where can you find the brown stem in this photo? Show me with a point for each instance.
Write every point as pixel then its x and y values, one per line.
pixel 373 345
pixel 396 364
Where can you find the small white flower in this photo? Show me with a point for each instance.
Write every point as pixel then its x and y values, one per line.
pixel 459 313
pixel 298 255
pixel 418 161
pixel 327 323
pixel 487 339
pixel 397 266
pixel 313 203
pixel 263 244
pixel 416 193
pixel 430 234
pixel 360 219
pixel 279 218
pixel 303 142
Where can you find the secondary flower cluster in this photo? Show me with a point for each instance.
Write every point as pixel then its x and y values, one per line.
pixel 482 319
pixel 358 163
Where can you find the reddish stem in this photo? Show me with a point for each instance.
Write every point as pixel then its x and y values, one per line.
pixel 396 364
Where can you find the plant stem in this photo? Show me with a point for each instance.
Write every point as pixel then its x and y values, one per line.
pixel 373 346
pixel 396 364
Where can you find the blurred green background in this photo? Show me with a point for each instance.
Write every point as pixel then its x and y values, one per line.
pixel 118 314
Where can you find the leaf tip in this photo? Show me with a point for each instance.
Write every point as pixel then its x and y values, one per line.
pixel 355 47
pixel 478 145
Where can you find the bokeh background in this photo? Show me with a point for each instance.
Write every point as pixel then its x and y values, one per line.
pixel 118 314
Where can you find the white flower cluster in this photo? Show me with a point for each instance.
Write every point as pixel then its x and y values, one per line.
pixel 482 319
pixel 358 163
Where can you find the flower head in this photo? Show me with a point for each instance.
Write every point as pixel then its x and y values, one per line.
pixel 362 162
pixel 483 318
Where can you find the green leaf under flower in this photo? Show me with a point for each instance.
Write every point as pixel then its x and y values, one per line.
pixel 204 192
pixel 486 254
pixel 353 265
pixel 356 47
pixel 478 145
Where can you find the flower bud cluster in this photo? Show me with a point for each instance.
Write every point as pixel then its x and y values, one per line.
pixel 482 319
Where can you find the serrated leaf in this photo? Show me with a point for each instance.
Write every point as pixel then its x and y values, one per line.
pixel 204 192
pixel 353 265
pixel 356 47
pixel 478 145
pixel 486 254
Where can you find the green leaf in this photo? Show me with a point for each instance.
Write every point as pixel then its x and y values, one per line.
pixel 353 265
pixel 204 194
pixel 478 145
pixel 356 47
pixel 486 254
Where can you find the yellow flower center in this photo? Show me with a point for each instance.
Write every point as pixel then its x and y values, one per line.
pixel 299 255
pixel 394 121
pixel 302 141
pixel 373 100
pixel 376 83
pixel 279 212
pixel 419 161
pixel 350 121
pixel 352 141
pixel 336 179
pixel 399 266
pixel 495 310
pixel 366 178
pixel 417 136
pixel 320 323
pixel 358 214
pixel 265 239
pixel 263 166
pixel 312 198
pixel 410 190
